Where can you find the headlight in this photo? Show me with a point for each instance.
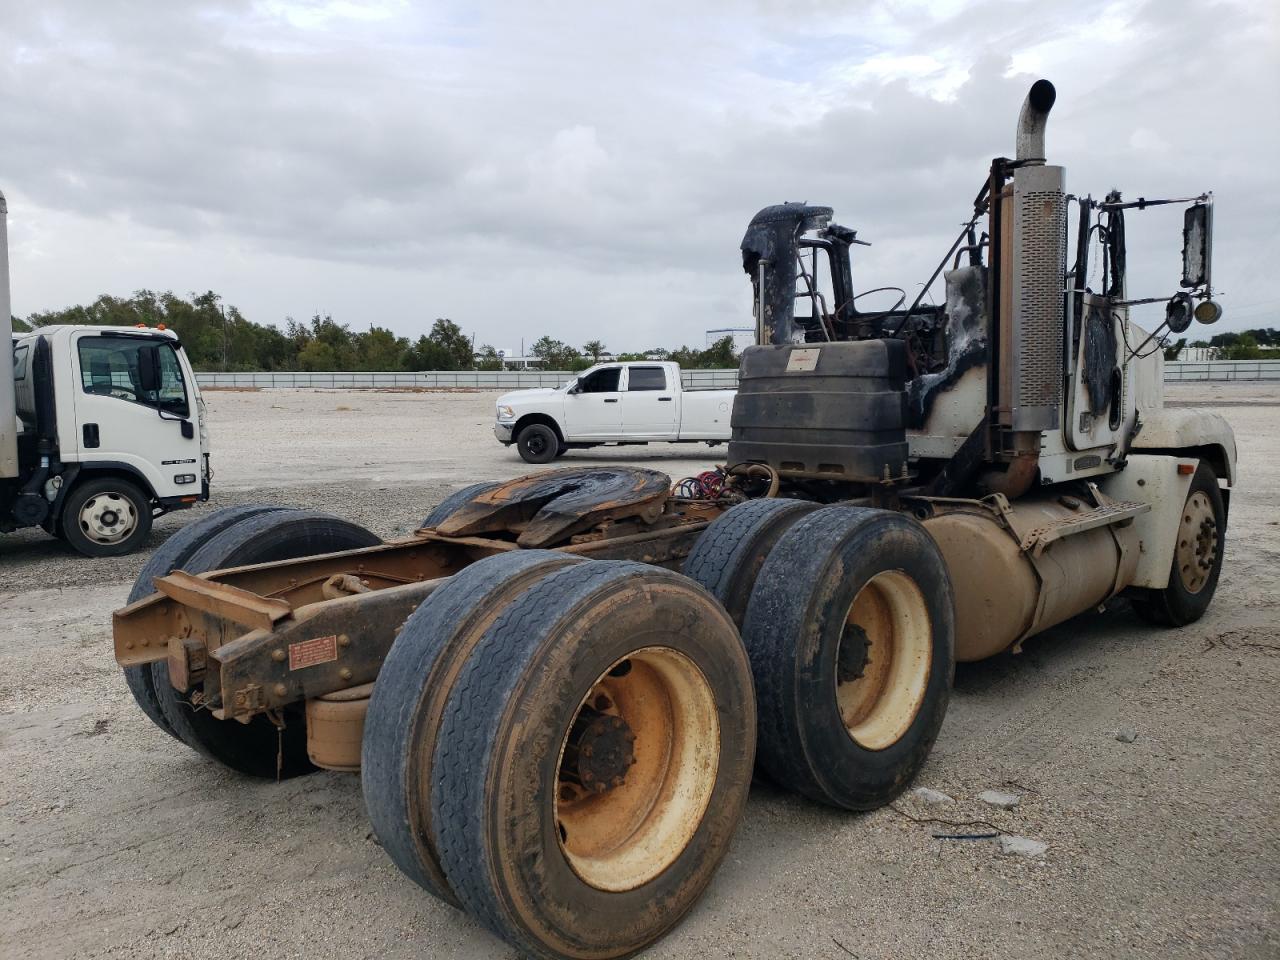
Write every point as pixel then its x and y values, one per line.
pixel 505 412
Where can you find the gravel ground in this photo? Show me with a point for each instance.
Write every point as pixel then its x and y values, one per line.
pixel 116 842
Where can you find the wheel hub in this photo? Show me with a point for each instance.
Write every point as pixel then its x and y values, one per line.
pixel 107 518
pixel 1197 550
pixel 854 655
pixel 600 751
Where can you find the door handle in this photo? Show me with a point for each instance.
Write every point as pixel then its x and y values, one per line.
pixel 607 400
pixel 664 399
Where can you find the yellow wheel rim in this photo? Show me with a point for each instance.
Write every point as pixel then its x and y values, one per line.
pixel 884 660
pixel 637 769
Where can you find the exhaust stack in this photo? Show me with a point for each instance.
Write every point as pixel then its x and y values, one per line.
pixel 1032 120
pixel 1036 277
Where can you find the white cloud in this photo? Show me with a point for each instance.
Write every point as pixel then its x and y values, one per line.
pixel 532 169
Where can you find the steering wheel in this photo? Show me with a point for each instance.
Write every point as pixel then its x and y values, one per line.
pixel 902 298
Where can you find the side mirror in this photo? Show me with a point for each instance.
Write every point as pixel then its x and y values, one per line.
pixel 576 388
pixel 1197 243
pixel 149 368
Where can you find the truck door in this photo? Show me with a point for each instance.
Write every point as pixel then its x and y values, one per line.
pixel 118 420
pixel 593 407
pixel 650 405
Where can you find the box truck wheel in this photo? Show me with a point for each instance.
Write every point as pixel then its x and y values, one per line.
pixel 728 556
pixel 850 629
pixel 403 720
pixel 1197 557
pixel 593 760
pixel 106 517
pixel 257 748
pixel 538 443
pixel 172 555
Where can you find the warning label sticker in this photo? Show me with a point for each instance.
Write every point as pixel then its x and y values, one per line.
pixel 803 360
pixel 310 653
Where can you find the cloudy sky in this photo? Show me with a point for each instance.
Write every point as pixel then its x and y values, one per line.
pixel 586 169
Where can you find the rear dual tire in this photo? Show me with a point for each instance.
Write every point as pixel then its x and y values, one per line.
pixel 234 538
pixel 850 629
pixel 603 671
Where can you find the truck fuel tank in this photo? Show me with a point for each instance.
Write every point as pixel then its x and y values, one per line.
pixel 1005 593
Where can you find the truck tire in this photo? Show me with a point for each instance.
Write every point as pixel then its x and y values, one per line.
pixel 538 443
pixel 106 517
pixel 728 556
pixel 593 760
pixel 1197 558
pixel 172 555
pixel 256 749
pixel 401 726
pixel 446 507
pixel 850 629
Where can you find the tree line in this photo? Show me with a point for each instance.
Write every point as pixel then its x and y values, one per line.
pixel 220 337
pixel 1262 343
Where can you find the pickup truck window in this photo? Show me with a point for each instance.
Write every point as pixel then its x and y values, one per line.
pixel 20 362
pixel 109 367
pixel 647 378
pixel 602 381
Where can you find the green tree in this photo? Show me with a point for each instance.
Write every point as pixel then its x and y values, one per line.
pixel 1244 348
pixel 488 358
pixel 380 349
pixel 593 348
pixel 556 355
pixel 1171 352
pixel 446 347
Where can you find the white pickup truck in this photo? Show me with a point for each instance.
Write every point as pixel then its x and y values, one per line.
pixel 623 403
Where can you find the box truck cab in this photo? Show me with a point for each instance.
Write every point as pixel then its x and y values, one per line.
pixel 110 431
pixel 101 429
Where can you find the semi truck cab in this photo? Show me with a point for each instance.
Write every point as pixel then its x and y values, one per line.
pixel 101 430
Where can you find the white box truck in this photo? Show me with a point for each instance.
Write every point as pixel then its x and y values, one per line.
pixel 101 429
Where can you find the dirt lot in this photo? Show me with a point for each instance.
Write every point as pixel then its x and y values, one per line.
pixel 114 842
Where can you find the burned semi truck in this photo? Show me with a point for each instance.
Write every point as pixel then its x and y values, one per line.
pixel 557 690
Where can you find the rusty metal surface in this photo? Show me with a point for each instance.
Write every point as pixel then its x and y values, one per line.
pixel 546 508
pixel 223 600
pixel 328 640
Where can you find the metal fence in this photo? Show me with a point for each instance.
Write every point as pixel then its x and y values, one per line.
pixel 1207 370
pixel 441 379
pixel 1222 370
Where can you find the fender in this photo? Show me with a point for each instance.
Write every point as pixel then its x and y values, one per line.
pixel 1182 431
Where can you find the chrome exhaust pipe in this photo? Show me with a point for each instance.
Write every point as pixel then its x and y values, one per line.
pixel 1032 119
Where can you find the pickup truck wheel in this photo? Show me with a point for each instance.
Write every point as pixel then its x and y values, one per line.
pixel 106 517
pixel 593 760
pixel 562 449
pixel 401 726
pixel 537 443
pixel 446 508
pixel 1197 558
pixel 728 556
pixel 172 555
pixel 258 748
pixel 850 629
